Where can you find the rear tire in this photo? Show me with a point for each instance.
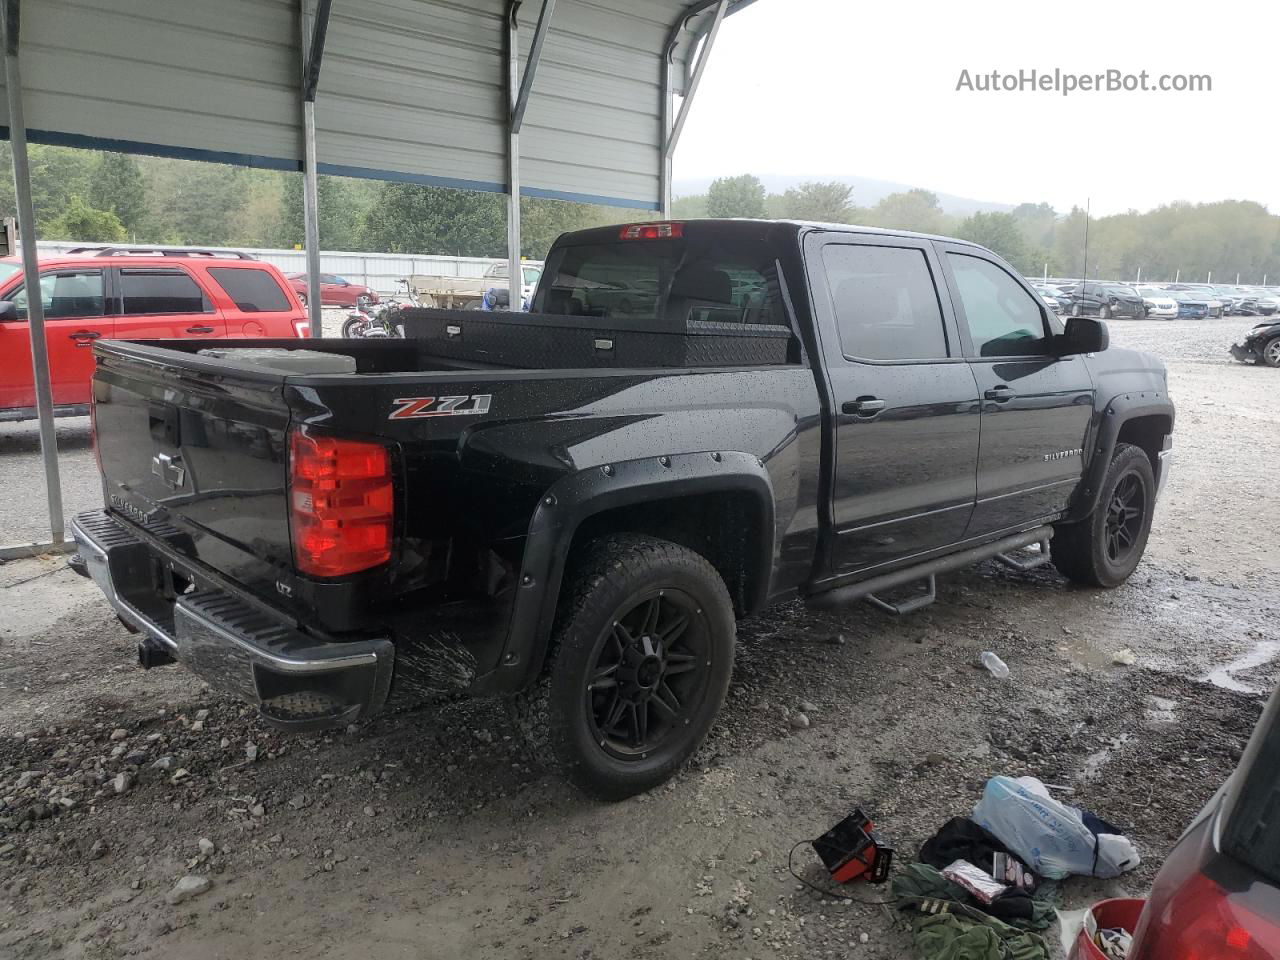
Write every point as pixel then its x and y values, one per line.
pixel 1105 548
pixel 638 667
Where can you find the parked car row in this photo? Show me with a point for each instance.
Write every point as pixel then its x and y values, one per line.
pixel 1111 298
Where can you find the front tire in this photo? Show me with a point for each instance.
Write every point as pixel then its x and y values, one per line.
pixel 638 668
pixel 1105 548
pixel 1271 352
pixel 1104 312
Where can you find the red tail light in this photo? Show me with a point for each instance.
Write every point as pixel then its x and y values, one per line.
pixel 1201 921
pixel 651 231
pixel 342 504
pixel 302 328
pixel 1190 916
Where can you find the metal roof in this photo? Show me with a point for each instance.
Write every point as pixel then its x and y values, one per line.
pixel 411 90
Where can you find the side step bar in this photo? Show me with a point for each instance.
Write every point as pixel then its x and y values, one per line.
pixel 867 589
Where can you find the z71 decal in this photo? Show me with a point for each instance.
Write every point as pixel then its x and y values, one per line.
pixel 414 408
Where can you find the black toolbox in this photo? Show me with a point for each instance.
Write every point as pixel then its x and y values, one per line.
pixel 547 341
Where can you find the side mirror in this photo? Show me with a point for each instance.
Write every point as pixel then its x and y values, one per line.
pixel 1083 335
pixel 8 311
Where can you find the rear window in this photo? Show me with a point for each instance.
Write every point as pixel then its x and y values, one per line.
pixel 160 291
pixel 1252 831
pixel 669 281
pixel 253 290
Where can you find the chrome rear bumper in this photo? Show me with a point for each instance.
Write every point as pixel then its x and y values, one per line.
pixel 297 681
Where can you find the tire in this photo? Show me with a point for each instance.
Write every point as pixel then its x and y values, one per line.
pixel 1105 548
pixel 1104 311
pixel 607 666
pixel 349 327
pixel 1075 310
pixel 1271 352
pixel 302 298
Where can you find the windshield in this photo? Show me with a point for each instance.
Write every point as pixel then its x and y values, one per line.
pixel 719 279
pixel 1123 291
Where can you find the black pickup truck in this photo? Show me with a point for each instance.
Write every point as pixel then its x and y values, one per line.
pixel 571 507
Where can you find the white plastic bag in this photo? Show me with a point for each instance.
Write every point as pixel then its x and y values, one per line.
pixel 1049 836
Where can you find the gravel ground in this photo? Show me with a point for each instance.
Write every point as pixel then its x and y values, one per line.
pixel 427 834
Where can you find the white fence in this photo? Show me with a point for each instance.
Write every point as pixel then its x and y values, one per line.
pixel 381 271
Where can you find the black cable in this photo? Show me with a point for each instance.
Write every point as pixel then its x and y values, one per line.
pixel 831 893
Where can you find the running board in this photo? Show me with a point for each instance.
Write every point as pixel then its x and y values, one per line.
pixel 1037 559
pixel 867 589
pixel 907 606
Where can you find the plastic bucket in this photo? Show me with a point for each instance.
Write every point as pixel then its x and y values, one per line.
pixel 1120 912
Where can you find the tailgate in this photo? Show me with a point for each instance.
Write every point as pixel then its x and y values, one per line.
pixel 200 444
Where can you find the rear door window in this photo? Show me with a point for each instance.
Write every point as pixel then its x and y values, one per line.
pixel 253 290
pixel 885 301
pixel 159 290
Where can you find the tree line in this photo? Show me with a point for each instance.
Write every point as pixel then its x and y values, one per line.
pixel 101 197
pixel 1193 240
pixel 95 196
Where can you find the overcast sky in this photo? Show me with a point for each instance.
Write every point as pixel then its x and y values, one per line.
pixel 867 88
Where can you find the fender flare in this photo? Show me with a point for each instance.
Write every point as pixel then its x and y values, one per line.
pixel 574 498
pixel 1117 412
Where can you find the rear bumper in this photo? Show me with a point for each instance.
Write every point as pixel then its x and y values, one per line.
pixel 297 681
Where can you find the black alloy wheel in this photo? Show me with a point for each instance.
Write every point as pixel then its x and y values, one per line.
pixel 637 669
pixel 1126 511
pixel 649 673
pixel 1104 548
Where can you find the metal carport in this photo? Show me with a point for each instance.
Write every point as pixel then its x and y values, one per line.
pixel 582 107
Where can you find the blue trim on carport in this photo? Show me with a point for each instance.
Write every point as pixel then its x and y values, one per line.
pixel 59 139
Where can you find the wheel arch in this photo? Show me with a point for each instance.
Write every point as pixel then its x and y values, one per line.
pixel 720 505
pixel 1144 419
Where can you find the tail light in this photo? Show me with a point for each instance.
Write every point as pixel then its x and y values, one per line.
pixel 1201 921
pixel 302 328
pixel 342 504
pixel 1190 916
pixel 651 231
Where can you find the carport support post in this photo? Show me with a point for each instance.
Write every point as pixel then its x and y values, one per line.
pixel 513 158
pixel 314 21
pixel 671 132
pixel 519 90
pixel 31 271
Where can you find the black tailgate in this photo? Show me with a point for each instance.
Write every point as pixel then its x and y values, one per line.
pixel 201 444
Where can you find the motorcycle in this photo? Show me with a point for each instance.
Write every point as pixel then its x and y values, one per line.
pixel 367 324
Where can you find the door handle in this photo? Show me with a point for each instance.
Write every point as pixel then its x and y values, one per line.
pixel 1000 394
pixel 862 407
pixel 84 338
pixel 199 329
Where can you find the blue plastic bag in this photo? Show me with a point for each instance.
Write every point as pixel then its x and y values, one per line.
pixel 1049 836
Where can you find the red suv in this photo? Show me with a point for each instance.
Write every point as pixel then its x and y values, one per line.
pixel 131 294
pixel 333 290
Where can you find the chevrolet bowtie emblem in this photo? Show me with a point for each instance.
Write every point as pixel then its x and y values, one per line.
pixel 169 469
